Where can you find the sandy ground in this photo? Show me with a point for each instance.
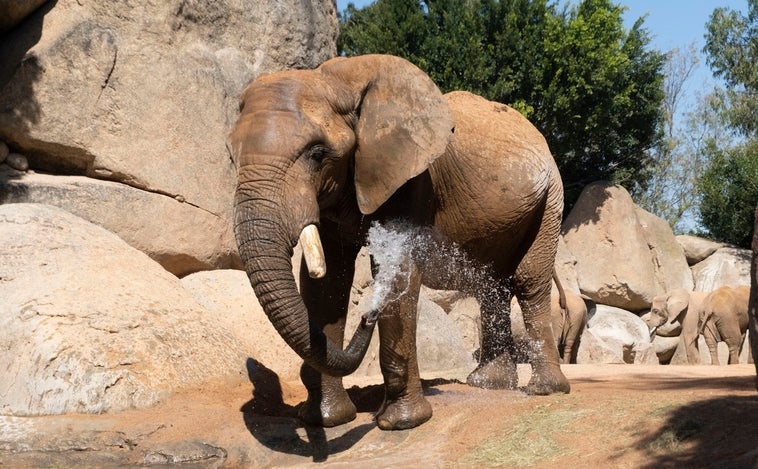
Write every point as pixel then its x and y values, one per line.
pixel 615 416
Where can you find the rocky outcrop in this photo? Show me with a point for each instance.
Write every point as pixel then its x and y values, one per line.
pixel 697 249
pixel 727 266
pixel 624 256
pixel 143 94
pixel 89 324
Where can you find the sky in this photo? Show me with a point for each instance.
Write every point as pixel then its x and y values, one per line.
pixel 671 24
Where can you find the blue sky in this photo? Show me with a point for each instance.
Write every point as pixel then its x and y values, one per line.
pixel 671 23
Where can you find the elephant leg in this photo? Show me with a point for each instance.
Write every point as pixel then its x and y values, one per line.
pixel 404 403
pixel 734 343
pixel 532 284
pixel 497 368
pixel 712 343
pixel 328 404
pixel 691 348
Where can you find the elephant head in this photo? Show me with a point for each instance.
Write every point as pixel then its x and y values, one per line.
pixel 667 313
pixel 331 143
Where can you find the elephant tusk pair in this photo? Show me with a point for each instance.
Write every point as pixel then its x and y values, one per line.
pixel 313 252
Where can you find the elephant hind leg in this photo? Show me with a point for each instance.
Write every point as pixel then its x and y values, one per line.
pixel 497 368
pixel 532 284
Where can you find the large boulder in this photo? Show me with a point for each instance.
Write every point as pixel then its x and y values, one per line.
pixel 624 255
pixel 90 325
pixel 186 239
pixel 144 94
pixel 727 266
pixel 614 335
pixel 227 294
pixel 697 249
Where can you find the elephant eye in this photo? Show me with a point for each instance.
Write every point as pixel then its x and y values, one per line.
pixel 318 153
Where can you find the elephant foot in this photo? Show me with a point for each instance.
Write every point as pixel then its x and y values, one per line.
pixel 403 413
pixel 499 373
pixel 327 413
pixel 547 381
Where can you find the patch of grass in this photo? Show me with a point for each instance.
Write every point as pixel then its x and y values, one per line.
pixel 671 438
pixel 530 440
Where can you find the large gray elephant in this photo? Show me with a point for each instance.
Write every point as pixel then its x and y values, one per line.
pixel 724 319
pixel 676 314
pixel 371 139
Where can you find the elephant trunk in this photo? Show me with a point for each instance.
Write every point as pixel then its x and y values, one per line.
pixel 266 252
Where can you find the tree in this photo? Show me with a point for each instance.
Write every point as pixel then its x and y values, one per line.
pixel 591 87
pixel 671 191
pixel 729 185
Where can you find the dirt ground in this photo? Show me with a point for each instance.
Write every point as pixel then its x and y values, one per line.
pixel 615 416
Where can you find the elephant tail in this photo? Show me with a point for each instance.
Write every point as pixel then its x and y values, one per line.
pixel 561 291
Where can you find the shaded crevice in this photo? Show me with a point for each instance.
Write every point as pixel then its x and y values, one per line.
pixel 108 76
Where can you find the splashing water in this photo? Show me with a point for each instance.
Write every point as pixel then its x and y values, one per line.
pixel 391 250
pixel 395 246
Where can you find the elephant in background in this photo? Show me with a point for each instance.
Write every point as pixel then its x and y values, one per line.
pixel 569 318
pixel 724 319
pixel 324 154
pixel 676 314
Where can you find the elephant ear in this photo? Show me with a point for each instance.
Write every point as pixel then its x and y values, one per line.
pixel 677 302
pixel 403 122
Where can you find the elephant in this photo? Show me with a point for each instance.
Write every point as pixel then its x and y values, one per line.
pixel 724 319
pixel 569 318
pixel 676 314
pixel 331 152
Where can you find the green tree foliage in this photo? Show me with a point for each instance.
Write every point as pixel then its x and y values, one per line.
pixel 729 184
pixel 591 87
pixel 729 189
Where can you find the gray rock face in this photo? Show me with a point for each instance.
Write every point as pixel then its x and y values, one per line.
pixel 624 255
pixel 89 324
pixel 697 249
pixel 725 267
pixel 144 94
pixel 614 335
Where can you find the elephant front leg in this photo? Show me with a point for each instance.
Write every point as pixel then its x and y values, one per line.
pixel 328 404
pixel 404 403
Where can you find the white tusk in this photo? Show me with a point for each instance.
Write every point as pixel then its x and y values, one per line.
pixel 313 252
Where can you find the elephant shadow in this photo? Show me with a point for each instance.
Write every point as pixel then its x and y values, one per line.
pixel 275 424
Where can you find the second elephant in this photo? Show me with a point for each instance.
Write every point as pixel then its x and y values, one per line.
pixel 676 314
pixel 724 319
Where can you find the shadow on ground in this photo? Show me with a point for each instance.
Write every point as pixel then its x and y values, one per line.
pixel 275 424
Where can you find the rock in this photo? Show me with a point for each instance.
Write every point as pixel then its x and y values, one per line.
pixel 623 333
pixel 440 346
pixel 88 324
pixel 565 266
pixel 593 349
pixel 697 249
pixel 13 12
pixel 665 347
pixel 187 240
pixel 17 161
pixel 668 259
pixel 622 255
pixel 725 267
pixel 465 314
pixel 645 354
pixel 232 304
pixel 144 93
